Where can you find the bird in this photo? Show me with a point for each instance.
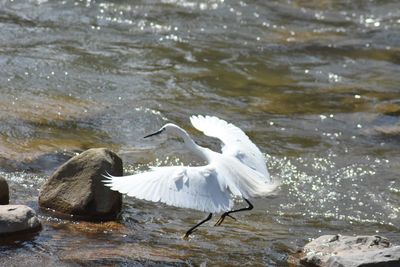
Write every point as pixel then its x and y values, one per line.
pixel 239 171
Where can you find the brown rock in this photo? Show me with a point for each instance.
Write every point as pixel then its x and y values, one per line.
pixel 4 192
pixel 76 187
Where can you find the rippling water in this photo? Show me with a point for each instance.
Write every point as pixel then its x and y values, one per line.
pixel 315 84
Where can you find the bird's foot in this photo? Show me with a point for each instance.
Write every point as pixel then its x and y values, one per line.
pixel 185 237
pixel 222 218
pixel 187 234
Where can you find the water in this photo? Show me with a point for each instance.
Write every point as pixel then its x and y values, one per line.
pixel 315 85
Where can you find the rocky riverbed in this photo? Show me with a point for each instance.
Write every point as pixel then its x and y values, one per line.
pixel 314 84
pixel 76 189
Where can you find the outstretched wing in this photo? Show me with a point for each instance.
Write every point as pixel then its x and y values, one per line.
pixel 235 142
pixel 180 186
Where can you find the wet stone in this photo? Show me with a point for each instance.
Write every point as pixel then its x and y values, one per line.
pixel 4 192
pixel 18 218
pixel 76 187
pixel 351 251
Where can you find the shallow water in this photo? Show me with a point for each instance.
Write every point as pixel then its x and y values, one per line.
pixel 315 85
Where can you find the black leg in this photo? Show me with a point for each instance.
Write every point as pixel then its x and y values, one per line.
pixel 191 230
pixel 250 207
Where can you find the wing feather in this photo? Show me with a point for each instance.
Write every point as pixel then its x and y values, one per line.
pixel 243 181
pixel 186 187
pixel 235 142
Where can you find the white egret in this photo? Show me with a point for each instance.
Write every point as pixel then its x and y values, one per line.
pixel 239 171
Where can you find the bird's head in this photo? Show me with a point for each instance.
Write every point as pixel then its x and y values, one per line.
pixel 169 129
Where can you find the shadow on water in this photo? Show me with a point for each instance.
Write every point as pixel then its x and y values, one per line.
pixel 17 240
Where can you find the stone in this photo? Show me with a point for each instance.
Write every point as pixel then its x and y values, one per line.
pixel 18 218
pixel 4 192
pixel 351 251
pixel 76 187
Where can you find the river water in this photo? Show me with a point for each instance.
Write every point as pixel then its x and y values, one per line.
pixel 315 84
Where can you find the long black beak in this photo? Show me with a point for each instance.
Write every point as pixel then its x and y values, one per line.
pixel 158 132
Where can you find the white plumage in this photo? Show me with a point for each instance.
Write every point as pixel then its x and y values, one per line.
pixel 235 142
pixel 239 171
pixel 180 186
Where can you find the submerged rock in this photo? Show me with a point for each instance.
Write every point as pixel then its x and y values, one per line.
pixel 76 187
pixel 18 218
pixel 130 254
pixel 4 192
pixel 36 162
pixel 389 108
pixel 388 130
pixel 351 251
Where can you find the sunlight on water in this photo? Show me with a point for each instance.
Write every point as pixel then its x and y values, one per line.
pixel 333 192
pixel 314 84
pixel 319 188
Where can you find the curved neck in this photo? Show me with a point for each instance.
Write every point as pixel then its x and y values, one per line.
pixel 191 145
